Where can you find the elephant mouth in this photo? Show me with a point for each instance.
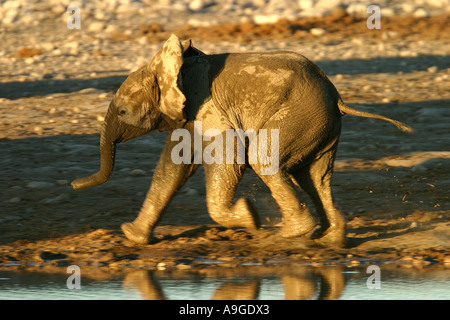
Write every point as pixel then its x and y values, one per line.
pixel 131 132
pixel 122 138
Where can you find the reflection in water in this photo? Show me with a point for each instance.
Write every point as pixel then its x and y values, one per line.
pixel 323 283
pixel 330 280
pixel 237 291
pixel 249 283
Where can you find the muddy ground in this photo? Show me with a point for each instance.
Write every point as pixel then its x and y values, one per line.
pixel 393 188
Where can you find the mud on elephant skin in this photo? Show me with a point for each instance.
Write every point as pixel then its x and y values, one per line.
pixel 247 93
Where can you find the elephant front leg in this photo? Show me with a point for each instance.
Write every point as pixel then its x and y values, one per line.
pixel 167 180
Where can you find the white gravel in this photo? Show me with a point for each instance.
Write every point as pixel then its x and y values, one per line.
pixel 203 12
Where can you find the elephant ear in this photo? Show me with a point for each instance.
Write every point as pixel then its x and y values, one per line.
pixel 166 67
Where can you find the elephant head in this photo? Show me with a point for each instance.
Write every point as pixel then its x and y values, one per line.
pixel 150 98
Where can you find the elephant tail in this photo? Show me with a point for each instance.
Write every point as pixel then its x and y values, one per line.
pixel 345 109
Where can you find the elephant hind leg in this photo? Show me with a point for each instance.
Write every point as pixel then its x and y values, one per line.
pixel 221 185
pixel 315 180
pixel 297 220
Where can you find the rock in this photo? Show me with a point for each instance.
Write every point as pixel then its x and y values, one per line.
pixel 408 7
pixel 63 182
pixel 40 185
pixel 317 31
pixel 198 23
pixel 355 262
pixel 406 259
pixel 358 9
pixel 161 266
pixel 387 12
pixel 190 192
pixel 56 199
pixel 11 11
pixel 48 46
pixel 389 35
pixel 138 173
pixel 358 41
pixel 441 78
pixel 263 19
pixel 430 112
pixel 143 41
pixel 102 15
pixel 103 95
pixel 432 69
pixel 197 5
pixel 407 53
pixel 328 4
pixel 56 52
pixel 438 3
pixel 226 259
pixel 419 169
pixel 89 91
pixel 111 28
pixel 306 4
pixel 72 45
pixel 102 257
pixel 96 26
pixel 15 200
pixel 421 13
pixel 338 13
pixel 58 8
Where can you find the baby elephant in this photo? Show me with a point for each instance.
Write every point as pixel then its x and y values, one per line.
pixel 279 107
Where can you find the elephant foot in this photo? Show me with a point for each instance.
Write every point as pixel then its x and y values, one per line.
pixel 246 214
pixel 134 233
pixel 333 236
pixel 297 225
pixel 242 214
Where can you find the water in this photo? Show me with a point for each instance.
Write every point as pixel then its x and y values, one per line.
pixel 253 283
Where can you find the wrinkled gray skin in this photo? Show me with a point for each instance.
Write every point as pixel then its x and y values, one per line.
pixel 280 90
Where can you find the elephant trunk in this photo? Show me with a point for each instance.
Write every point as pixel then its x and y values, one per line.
pixel 109 136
